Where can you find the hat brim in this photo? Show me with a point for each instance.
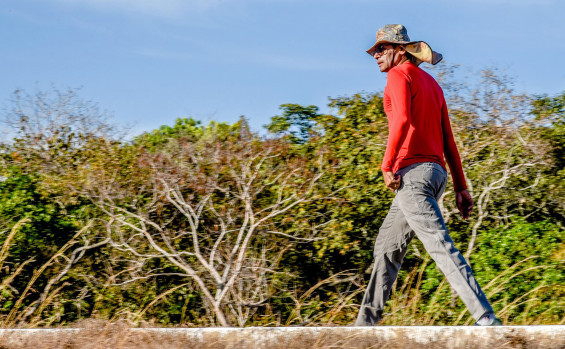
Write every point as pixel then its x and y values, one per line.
pixel 419 49
pixel 424 53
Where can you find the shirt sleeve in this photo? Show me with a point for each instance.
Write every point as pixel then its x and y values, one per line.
pixel 398 88
pixel 451 153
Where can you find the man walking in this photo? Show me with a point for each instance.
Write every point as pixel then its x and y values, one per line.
pixel 413 166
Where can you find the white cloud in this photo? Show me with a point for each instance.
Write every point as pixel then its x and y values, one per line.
pixel 306 63
pixel 161 8
pixel 249 57
pixel 163 54
pixel 512 2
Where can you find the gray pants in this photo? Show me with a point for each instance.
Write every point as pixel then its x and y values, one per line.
pixel 415 210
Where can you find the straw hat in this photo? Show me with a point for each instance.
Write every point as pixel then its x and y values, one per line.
pixel 397 34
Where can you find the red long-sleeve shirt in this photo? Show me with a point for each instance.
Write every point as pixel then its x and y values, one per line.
pixel 418 123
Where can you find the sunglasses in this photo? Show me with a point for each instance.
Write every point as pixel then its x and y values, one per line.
pixel 380 49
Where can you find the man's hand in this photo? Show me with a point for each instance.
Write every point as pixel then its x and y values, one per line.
pixel 391 181
pixel 464 203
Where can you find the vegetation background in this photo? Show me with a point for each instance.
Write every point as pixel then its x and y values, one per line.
pixel 218 224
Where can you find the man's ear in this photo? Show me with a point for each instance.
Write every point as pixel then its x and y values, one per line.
pixel 401 49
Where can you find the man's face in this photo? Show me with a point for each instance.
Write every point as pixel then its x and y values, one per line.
pixel 386 59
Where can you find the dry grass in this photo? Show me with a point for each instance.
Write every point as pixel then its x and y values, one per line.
pixel 408 306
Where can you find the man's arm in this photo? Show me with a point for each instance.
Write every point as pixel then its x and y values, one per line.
pixel 398 89
pixel 463 199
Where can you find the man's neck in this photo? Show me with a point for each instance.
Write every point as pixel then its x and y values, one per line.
pixel 402 61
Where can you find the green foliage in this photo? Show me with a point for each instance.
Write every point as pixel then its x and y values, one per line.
pixel 188 130
pixel 550 115
pixel 77 206
pixel 48 225
pixel 523 269
pixel 41 226
pixel 298 122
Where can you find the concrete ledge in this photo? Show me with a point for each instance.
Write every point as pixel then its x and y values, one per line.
pixel 121 336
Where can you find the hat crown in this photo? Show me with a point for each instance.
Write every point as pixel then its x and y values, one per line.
pixel 395 33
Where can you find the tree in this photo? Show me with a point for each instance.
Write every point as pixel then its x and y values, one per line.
pixel 501 149
pixel 207 211
pixel 52 131
pixel 549 115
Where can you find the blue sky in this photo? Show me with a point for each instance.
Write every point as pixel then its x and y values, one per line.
pixel 149 62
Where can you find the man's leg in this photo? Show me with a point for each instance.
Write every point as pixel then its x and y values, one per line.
pixel 421 186
pixel 390 247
